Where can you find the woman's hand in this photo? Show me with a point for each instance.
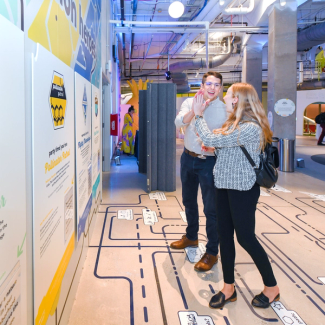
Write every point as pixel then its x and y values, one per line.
pixel 207 149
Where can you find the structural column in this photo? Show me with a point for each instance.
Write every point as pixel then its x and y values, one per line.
pixel 282 66
pixel 252 67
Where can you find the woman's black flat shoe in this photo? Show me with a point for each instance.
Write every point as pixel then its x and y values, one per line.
pixel 261 301
pixel 218 300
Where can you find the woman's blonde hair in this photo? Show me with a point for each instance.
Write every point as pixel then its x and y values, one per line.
pixel 247 108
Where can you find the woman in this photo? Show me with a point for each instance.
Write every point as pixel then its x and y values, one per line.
pixel 127 133
pixel 236 191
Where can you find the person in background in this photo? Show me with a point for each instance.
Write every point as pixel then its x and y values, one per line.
pixel 236 190
pixel 322 135
pixel 196 170
pixel 127 133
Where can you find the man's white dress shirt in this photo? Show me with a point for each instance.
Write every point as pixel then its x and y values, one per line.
pixel 215 115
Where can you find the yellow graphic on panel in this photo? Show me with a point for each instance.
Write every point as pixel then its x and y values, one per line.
pixel 57 29
pixel 134 100
pixel 58 100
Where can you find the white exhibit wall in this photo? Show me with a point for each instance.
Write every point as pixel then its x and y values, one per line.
pixel 13 294
pixel 305 98
pixel 53 178
pixel 96 130
pixel 83 136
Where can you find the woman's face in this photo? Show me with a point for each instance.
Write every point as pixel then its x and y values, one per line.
pixel 230 100
pixel 131 112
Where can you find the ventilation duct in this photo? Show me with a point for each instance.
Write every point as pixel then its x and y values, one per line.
pixel 180 78
pixel 240 10
pixel 310 37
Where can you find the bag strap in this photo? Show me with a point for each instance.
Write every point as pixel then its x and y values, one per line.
pixel 248 156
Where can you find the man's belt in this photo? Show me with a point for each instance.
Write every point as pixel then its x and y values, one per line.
pixel 193 154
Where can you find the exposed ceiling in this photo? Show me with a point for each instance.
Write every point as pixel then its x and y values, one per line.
pixel 148 47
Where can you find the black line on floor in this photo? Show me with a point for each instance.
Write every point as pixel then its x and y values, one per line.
pixel 140 259
pixel 319 245
pixel 287 232
pixel 143 292
pixel 158 283
pixel 297 275
pixel 314 303
pixel 110 234
pixel 295 228
pixel 114 277
pixel 137 226
pixel 182 292
pixel 251 307
pixel 162 307
pixel 308 238
pixel 138 235
pixel 226 320
pixel 141 273
pixel 211 289
pixel 145 314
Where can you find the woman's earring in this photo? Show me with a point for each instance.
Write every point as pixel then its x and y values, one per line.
pixel 233 105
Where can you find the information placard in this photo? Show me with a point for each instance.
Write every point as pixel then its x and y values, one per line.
pixel 84 181
pixel 284 107
pixel 13 303
pixel 96 140
pixel 53 184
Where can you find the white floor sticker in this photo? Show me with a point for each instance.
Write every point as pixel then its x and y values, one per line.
pixel 263 193
pixel 149 217
pixel 315 196
pixel 278 188
pixel 183 215
pixel 192 318
pixel 288 317
pixel 125 214
pixel 194 254
pixel 157 196
pixel 322 278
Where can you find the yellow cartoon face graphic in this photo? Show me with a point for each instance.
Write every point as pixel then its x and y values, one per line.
pixel 58 100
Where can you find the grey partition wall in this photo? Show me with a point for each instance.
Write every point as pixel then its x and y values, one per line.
pixel 142 141
pixel 157 136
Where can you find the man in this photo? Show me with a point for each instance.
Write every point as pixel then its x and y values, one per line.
pixel 197 169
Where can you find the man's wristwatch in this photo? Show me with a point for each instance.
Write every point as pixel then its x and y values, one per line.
pixel 198 116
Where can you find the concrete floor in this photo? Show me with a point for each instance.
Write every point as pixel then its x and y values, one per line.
pixel 132 277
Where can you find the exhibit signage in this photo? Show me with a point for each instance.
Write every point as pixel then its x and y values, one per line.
pixel 284 107
pixel 96 143
pixel 83 151
pixel 53 178
pixel 70 30
pixel 13 301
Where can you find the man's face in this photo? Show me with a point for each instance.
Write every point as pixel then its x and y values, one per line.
pixel 211 88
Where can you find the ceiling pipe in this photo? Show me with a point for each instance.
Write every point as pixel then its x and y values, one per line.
pixel 144 59
pixel 134 11
pixel 310 37
pixel 240 10
pixel 201 63
pixel 123 36
pixel 181 79
pixel 154 30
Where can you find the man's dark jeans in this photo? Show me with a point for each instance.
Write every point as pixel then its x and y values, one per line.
pixel 195 172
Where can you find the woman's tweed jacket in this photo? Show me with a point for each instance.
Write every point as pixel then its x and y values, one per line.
pixel 232 169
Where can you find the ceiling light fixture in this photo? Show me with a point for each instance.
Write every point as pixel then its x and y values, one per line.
pixel 176 9
pixel 283 3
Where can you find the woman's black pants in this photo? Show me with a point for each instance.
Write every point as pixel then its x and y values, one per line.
pixel 236 212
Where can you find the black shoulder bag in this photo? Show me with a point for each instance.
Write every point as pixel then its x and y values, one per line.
pixel 266 172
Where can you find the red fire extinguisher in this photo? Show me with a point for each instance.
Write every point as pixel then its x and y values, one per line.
pixel 114 124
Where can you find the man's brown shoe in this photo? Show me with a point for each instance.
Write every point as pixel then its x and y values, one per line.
pixel 206 263
pixel 184 242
